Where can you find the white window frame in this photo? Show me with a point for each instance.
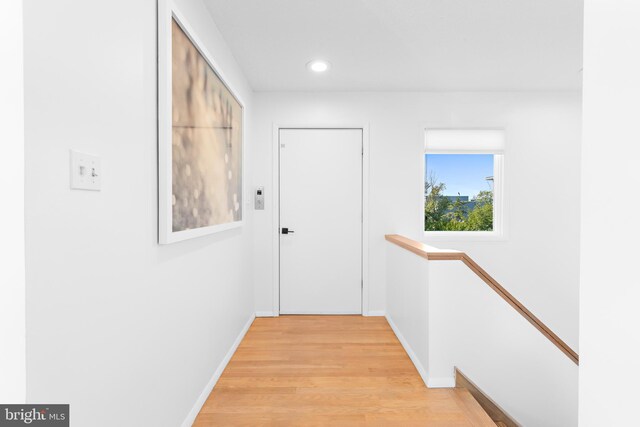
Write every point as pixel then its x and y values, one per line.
pixel 499 228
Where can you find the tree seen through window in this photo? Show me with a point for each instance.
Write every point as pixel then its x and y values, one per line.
pixel 458 192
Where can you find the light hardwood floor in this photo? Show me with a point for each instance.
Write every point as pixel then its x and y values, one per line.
pixel 330 371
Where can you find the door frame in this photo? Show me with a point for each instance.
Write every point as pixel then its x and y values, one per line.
pixel 275 154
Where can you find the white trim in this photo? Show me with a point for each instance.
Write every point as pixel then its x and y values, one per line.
pixel 366 151
pixel 265 314
pixel 275 153
pixel 191 417
pixel 320 313
pixel 375 313
pixel 466 236
pixel 275 242
pixel 447 382
pixel 167 9
pixel 499 214
pixel 412 355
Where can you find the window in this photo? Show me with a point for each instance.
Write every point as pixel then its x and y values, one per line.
pixel 463 182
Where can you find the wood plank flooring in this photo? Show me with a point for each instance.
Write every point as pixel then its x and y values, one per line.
pixel 330 371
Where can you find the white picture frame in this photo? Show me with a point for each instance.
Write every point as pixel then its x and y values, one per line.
pixel 167 13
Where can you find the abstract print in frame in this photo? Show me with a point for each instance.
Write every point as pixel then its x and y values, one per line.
pixel 200 136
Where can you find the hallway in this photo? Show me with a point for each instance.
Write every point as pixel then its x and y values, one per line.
pixel 330 370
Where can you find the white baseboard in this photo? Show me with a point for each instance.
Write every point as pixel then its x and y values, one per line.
pixel 319 313
pixel 441 382
pixel 375 313
pixel 265 314
pixel 191 417
pixel 409 350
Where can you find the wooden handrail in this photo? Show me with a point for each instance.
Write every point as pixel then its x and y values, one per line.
pixel 434 254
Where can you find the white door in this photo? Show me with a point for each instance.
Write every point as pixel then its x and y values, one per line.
pixel 320 221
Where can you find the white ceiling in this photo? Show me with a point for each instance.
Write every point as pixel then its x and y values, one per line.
pixel 377 45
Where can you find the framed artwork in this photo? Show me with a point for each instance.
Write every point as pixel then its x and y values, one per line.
pixel 200 136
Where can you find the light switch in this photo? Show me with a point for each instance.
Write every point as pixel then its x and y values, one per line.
pixel 86 173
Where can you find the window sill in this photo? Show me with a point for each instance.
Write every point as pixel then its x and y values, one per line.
pixel 464 236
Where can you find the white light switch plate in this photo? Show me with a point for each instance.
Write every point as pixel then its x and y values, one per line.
pixel 86 173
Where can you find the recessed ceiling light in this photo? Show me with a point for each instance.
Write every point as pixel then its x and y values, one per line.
pixel 318 66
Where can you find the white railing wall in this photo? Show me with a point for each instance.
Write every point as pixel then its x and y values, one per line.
pixel 448 317
pixel 407 302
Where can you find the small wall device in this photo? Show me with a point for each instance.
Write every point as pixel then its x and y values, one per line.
pixel 259 202
pixel 85 171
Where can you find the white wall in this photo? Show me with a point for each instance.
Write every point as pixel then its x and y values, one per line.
pixel 407 304
pixel 12 273
pixel 126 331
pixel 538 262
pixel 446 317
pixel 610 285
pixel 473 329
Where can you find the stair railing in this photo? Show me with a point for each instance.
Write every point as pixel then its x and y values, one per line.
pixel 433 254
